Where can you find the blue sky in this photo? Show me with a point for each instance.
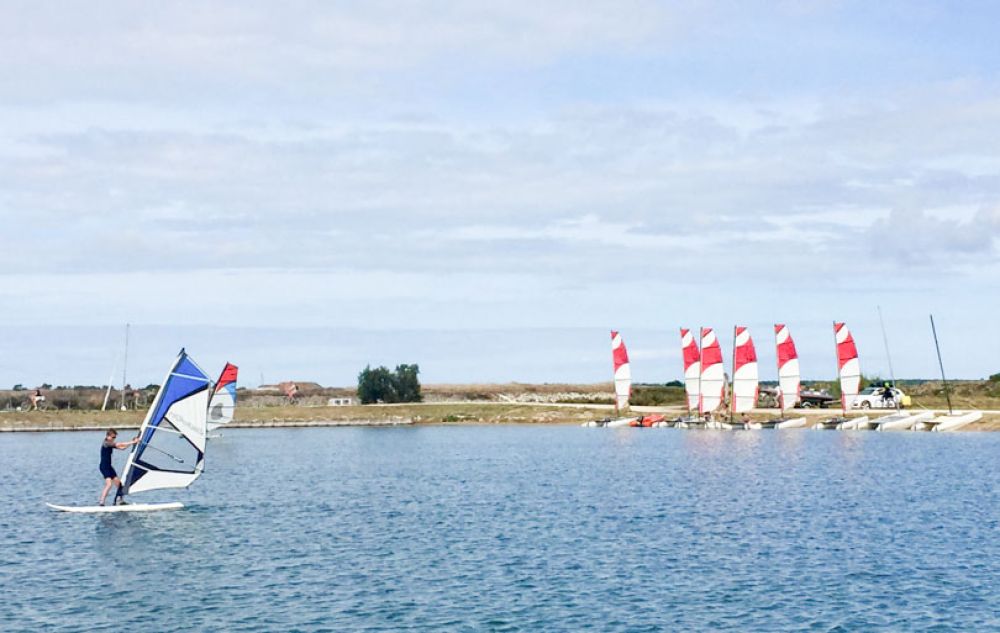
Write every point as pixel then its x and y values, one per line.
pixel 487 189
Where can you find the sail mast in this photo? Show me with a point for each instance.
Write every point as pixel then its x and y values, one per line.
pixel 701 366
pixel 125 368
pixel 777 362
pixel 732 396
pixel 947 392
pixel 836 353
pixel 107 394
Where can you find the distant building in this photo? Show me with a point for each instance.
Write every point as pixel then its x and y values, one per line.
pixel 340 402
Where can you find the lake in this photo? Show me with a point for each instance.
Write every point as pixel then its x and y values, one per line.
pixel 514 528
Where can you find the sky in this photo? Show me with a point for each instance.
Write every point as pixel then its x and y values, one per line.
pixel 487 189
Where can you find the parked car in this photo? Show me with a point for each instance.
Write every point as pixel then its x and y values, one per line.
pixel 874 398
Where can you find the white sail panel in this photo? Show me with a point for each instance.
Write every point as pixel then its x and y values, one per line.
pixel 789 378
pixel 713 373
pixel 745 372
pixel 171 448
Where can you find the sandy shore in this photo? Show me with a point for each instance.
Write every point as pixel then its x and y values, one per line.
pixel 386 415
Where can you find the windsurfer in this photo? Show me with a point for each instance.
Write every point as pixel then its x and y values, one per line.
pixel 107 470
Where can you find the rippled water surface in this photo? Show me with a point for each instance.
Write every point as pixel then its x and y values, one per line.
pixel 515 528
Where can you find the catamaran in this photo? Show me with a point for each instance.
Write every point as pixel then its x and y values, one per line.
pixel 171 448
pixel 223 403
pixel 692 377
pixel 789 382
pixel 623 383
pixel 849 375
pixel 955 419
pixel 712 382
pixel 900 420
pixel 746 385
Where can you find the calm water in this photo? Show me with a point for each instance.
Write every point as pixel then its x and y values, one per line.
pixel 515 528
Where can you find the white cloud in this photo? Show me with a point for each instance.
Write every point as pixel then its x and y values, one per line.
pixel 512 165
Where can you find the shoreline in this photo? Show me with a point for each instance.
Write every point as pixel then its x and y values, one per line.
pixel 416 414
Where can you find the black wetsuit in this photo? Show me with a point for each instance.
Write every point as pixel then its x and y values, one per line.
pixel 107 470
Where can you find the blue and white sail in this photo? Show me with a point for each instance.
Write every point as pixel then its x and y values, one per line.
pixel 171 448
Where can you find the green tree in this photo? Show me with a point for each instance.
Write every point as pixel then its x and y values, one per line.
pixel 407 383
pixel 381 385
pixel 375 385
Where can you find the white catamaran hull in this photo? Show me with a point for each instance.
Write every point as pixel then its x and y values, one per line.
pixel 131 507
pixel 620 422
pixel 794 423
pixel 900 421
pixel 855 424
pixel 953 422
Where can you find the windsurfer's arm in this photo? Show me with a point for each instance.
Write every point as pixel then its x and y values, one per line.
pixel 123 445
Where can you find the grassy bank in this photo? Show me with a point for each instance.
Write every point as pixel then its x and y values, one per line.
pixel 371 415
pixel 461 413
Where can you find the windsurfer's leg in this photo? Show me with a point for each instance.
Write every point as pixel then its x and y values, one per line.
pixel 118 493
pixel 104 493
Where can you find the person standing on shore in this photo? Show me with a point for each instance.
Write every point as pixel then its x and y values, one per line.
pixel 107 470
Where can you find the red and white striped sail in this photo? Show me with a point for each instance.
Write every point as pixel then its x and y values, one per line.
pixel 623 373
pixel 692 367
pixel 713 373
pixel 745 374
pixel 848 366
pixel 789 378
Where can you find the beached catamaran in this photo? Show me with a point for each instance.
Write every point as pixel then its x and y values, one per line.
pixel 746 385
pixel 712 383
pixel 223 403
pixel 789 374
pixel 623 378
pixel 849 375
pixel 789 382
pixel 692 373
pixel 955 419
pixel 171 448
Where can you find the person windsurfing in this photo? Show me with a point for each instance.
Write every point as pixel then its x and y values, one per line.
pixel 107 469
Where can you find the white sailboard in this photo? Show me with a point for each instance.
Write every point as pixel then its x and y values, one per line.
pixel 131 507
pixel 171 448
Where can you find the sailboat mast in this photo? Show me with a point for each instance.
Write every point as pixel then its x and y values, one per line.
pixel 777 363
pixel 701 368
pixel 947 392
pixel 885 341
pixel 125 368
pixel 836 356
pixel 732 394
pixel 614 377
pixel 107 394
